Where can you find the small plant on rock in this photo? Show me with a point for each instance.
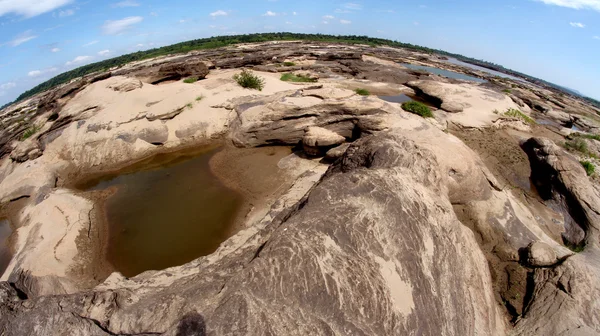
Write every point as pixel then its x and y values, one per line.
pixel 247 79
pixel 417 108
pixel 30 131
pixel 511 112
pixel 589 167
pixel 289 64
pixel 362 92
pixel 290 77
pixel 190 80
pixel 199 98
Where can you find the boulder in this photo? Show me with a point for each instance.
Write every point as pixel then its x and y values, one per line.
pixel 126 85
pixel 337 152
pixel 540 254
pixel 172 71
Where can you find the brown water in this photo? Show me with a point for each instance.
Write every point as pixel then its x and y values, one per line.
pixel 5 256
pixel 172 212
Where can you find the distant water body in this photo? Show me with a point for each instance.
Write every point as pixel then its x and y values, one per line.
pixel 445 73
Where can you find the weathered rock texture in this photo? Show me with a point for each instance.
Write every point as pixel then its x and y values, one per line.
pixel 375 248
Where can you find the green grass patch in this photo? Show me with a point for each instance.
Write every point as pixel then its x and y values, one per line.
pixel 189 105
pixel 30 131
pixel 362 92
pixel 248 80
pixel 511 112
pixel 290 77
pixel 190 80
pixel 589 167
pixel 577 145
pixel 289 63
pixel 199 98
pixel 587 136
pixel 507 91
pixel 417 108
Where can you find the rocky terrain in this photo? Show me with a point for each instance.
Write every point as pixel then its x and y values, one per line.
pixel 479 221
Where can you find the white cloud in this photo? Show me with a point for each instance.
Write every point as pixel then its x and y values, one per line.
pixel 416 23
pixel 288 22
pixel 119 26
pixel 90 43
pixel 294 13
pixel 325 22
pixel 139 45
pixel 22 38
pixel 7 86
pixel 577 24
pixel 37 73
pixel 79 60
pixel 269 13
pixel 353 6
pixel 575 4
pixel 342 11
pixel 596 37
pixel 126 3
pixel 153 14
pixel 55 49
pixel 104 52
pixel 66 13
pixel 30 8
pixel 219 13
pixel 345 22
pixel 328 17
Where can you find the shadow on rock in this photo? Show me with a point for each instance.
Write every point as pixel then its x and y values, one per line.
pixel 192 324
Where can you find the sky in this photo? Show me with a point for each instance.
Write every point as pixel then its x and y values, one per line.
pixel 556 40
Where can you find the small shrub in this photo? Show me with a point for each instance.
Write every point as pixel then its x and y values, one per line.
pixel 290 77
pixel 362 92
pixel 199 98
pixel 578 145
pixel 417 108
pixel 507 91
pixel 247 79
pixel 511 112
pixel 589 167
pixel 289 63
pixel 189 105
pixel 190 80
pixel 30 131
pixel 587 136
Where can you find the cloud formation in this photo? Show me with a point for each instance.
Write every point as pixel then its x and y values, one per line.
pixel 30 8
pixel 7 86
pixel 328 17
pixel 104 52
pixel 577 24
pixel 79 60
pixel 575 4
pixel 126 3
pixel 120 26
pixel 269 13
pixel 219 13
pixel 345 22
pixel 90 43
pixel 55 49
pixel 37 73
pixel 22 38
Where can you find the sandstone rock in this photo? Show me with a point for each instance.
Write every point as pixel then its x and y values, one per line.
pixel 540 254
pixel 356 232
pixel 321 137
pixel 307 74
pixel 559 177
pixel 126 85
pixel 172 71
pixel 164 115
pixel 337 152
pixel 26 150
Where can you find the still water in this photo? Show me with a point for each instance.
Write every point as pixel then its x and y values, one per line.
pixel 172 212
pixel 445 73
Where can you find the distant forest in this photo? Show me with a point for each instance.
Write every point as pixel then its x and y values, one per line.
pixel 223 41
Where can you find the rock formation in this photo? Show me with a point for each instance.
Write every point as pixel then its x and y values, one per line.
pixel 402 228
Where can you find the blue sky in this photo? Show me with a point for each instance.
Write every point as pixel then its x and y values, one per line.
pixel 557 40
